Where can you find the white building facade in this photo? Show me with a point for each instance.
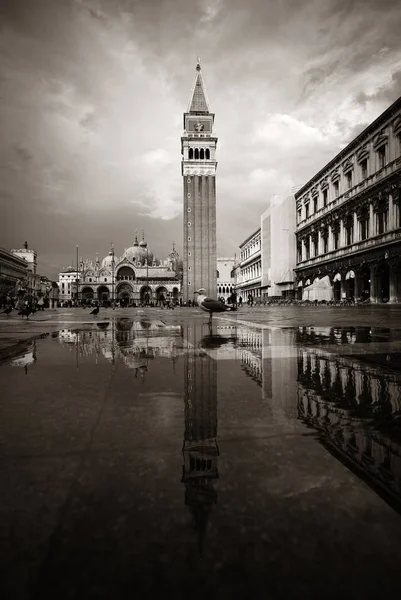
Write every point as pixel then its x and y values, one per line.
pixel 278 248
pixel 225 277
pixel 250 276
pixel 348 231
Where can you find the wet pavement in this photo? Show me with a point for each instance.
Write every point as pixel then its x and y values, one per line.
pixel 146 455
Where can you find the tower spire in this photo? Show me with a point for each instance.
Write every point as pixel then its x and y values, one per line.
pixel 198 102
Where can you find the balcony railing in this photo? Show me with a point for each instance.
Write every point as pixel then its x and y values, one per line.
pixel 363 245
pixel 356 189
pixel 252 281
pixel 251 258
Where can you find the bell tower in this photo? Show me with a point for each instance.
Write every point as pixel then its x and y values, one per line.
pixel 198 149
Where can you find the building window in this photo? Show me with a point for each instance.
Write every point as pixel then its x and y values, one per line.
pixel 189 283
pixel 381 156
pixel 336 238
pixel 90 279
pixel 189 253
pixel 306 210
pixel 364 168
pixel 105 278
pixel 349 180
pixel 315 204
pixel 307 248
pixel 381 222
pixel 364 227
pixel 189 209
pixel 189 239
pixel 336 187
pixel 315 246
pixel 349 231
pixel 325 197
pixel 325 242
pixel 299 252
pixel 299 213
pixel 189 223
pixel 189 268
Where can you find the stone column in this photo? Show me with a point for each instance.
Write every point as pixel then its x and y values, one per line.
pixel 372 215
pixel 391 214
pixel 330 238
pixel 373 284
pixel 356 228
pixel 320 241
pixel 356 286
pixel 342 233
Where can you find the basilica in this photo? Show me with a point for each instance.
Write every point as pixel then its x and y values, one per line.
pixel 135 277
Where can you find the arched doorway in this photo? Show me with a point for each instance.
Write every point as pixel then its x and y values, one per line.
pixel 125 273
pixel 146 295
pixel 364 283
pixel 161 292
pixel 103 293
pixel 337 287
pixel 299 290
pixel 383 282
pixel 175 294
pixel 124 293
pixel 87 294
pixel 350 285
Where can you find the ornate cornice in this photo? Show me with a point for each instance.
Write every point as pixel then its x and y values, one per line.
pixel 347 166
pixel 380 140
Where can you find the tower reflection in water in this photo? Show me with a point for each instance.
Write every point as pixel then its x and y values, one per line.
pixel 200 449
pixel 355 408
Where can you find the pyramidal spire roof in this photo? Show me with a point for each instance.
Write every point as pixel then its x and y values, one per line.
pixel 198 102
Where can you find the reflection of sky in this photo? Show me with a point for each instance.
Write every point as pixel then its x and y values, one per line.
pixel 24 360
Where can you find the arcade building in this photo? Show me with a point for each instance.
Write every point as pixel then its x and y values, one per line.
pixel 135 277
pixel 348 230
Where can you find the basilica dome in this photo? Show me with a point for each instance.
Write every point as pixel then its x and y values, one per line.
pixel 107 261
pixel 139 253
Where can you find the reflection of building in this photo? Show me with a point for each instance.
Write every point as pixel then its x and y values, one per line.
pixel 225 277
pixel 349 218
pixel 137 276
pixel 198 148
pixel 278 248
pixel 249 343
pixel 250 276
pixel 355 409
pixel 134 343
pixel 200 450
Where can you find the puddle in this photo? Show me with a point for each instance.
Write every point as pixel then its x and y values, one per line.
pixel 173 444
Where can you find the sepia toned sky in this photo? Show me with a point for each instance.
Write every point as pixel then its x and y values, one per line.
pixel 92 94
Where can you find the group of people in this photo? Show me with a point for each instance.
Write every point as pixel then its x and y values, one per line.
pixel 21 302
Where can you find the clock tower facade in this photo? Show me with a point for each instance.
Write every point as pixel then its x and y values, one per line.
pixel 198 149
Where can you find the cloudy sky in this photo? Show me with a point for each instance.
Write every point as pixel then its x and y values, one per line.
pixel 92 94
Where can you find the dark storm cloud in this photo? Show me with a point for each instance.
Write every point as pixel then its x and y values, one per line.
pixel 92 95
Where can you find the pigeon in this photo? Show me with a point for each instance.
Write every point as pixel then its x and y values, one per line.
pixel 95 311
pixel 7 310
pixel 211 305
pixel 25 312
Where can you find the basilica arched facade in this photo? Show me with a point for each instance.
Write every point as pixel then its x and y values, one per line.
pixel 135 277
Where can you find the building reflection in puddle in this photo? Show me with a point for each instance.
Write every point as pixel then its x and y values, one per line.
pixel 134 343
pixel 355 409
